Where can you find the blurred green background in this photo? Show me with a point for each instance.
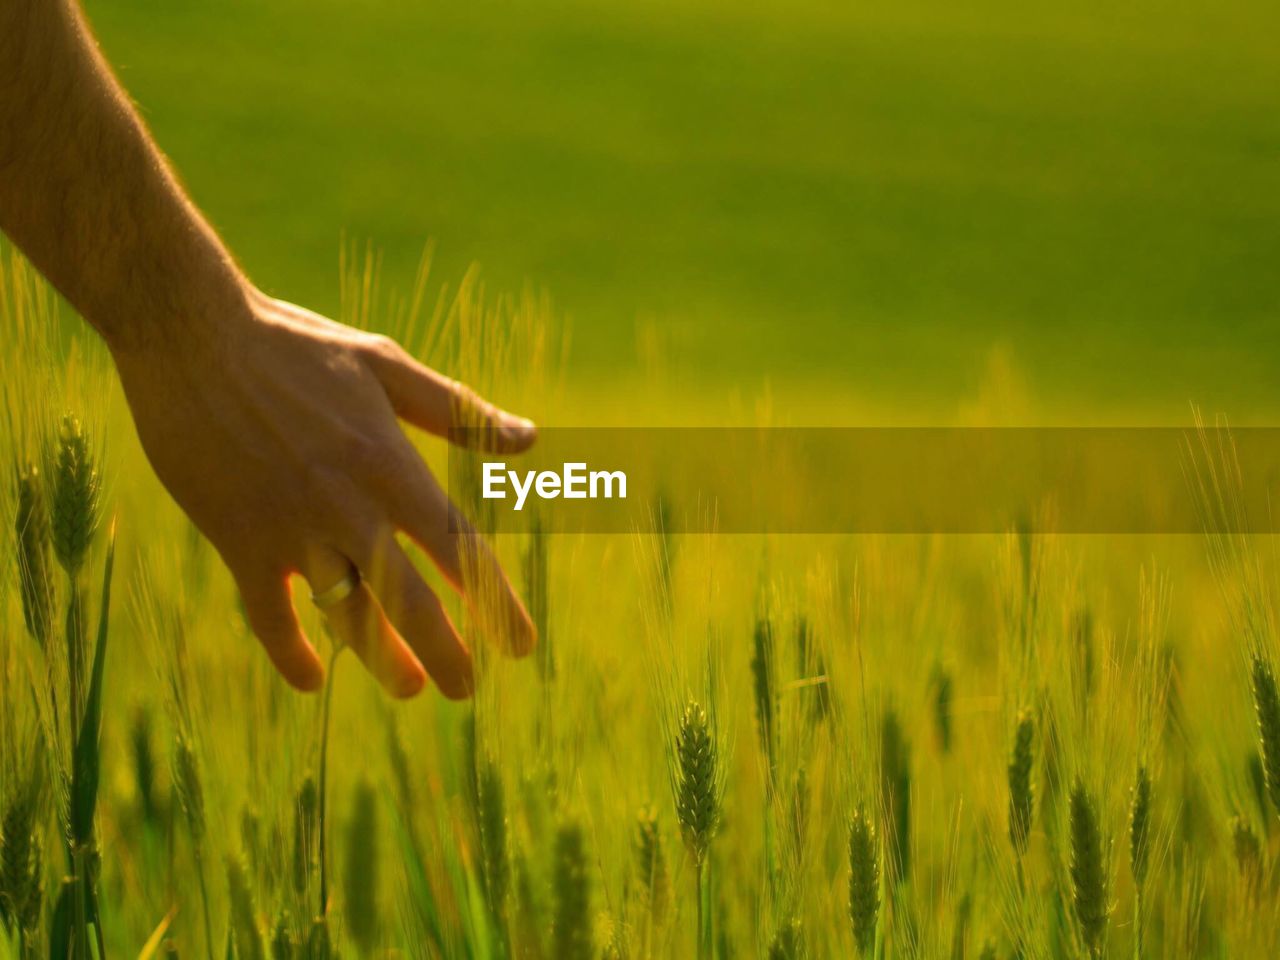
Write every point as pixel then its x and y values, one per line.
pixel 863 201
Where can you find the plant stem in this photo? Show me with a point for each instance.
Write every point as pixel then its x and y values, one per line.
pixel 326 711
pixel 81 939
pixel 1137 923
pixel 75 656
pixel 770 859
pixel 97 919
pixel 702 940
pixel 204 902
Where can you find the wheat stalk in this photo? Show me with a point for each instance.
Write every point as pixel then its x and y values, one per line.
pixel 190 790
pixel 895 794
pixel 698 786
pixel 800 802
pixel 21 866
pixel 144 764
pixel 361 862
pixel 571 925
pixel 283 945
pixel 1258 783
pixel 651 873
pixel 34 536
pixel 788 941
pixel 698 781
pixel 942 707
pixel 244 921
pixel 1021 791
pixel 306 812
pixel 76 489
pixel 1140 848
pixel 763 687
pixel 1266 702
pixel 864 880
pixel 1140 827
pixel 320 940
pixel 492 815
pixel 1247 848
pixel 1088 872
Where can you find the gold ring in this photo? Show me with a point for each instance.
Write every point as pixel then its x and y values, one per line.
pixel 344 588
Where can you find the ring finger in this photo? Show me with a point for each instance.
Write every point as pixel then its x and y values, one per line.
pixel 357 619
pixel 416 612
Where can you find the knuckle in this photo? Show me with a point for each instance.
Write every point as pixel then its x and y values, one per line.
pixel 464 399
pixel 470 410
pixel 364 449
pixel 334 505
pixel 382 462
pixel 318 481
pixel 380 347
pixel 357 448
pixel 326 489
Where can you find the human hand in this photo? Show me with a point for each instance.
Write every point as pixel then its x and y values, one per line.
pixel 276 430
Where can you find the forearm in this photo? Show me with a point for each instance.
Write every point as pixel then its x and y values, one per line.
pixel 88 197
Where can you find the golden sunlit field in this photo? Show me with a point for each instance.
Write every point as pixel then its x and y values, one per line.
pixel 986 746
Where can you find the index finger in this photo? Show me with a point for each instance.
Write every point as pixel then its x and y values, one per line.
pixel 445 407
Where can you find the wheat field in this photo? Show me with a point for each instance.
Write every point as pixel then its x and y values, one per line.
pixel 1009 745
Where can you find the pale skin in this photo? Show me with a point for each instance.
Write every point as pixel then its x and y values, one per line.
pixel 277 430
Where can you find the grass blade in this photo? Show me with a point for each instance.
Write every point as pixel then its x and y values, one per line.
pixel 86 768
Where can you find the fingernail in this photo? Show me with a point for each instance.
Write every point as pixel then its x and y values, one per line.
pixel 410 684
pixel 518 429
pixel 522 635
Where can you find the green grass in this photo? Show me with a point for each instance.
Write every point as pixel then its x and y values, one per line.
pixel 866 202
